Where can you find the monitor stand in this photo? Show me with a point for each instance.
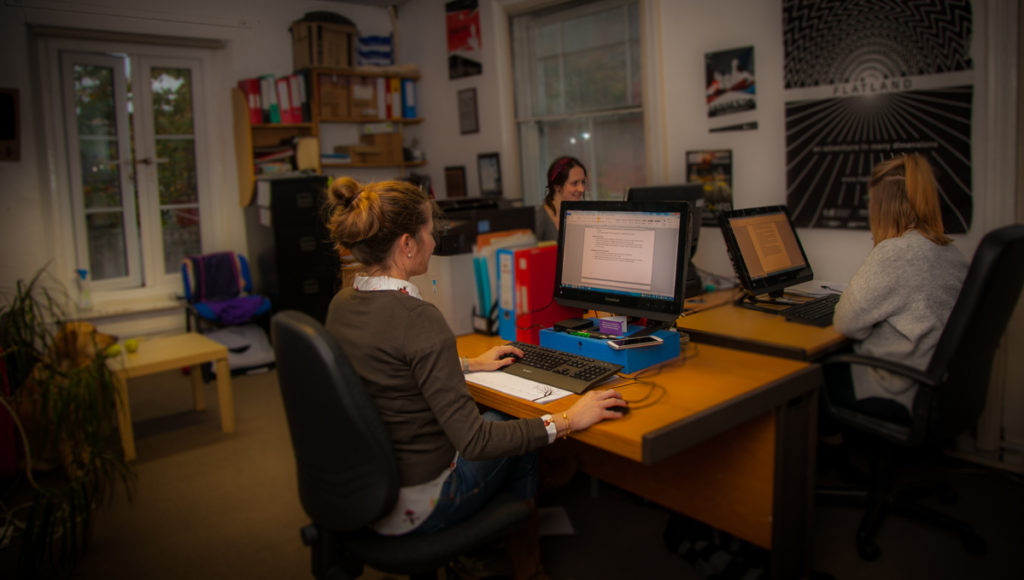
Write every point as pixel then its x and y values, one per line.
pixel 778 304
pixel 692 285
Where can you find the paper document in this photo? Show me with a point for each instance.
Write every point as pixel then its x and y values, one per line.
pixel 816 288
pixel 517 386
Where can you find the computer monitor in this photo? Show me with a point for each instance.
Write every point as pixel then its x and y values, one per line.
pixel 628 258
pixel 765 250
pixel 692 193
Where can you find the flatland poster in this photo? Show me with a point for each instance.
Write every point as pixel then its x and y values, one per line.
pixel 866 80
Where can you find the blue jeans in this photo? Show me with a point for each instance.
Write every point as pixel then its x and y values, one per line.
pixel 473 483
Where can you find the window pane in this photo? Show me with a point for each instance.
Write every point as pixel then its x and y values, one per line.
pixel 107 258
pixel 612 148
pixel 595 80
pixel 579 92
pixel 177 182
pixel 181 236
pixel 176 176
pixel 172 101
pixel 101 172
pixel 94 100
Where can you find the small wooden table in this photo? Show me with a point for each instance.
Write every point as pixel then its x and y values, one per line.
pixel 164 354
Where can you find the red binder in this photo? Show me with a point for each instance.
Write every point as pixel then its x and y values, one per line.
pixel 251 89
pixel 535 290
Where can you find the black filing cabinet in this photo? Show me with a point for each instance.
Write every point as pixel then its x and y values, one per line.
pixel 293 260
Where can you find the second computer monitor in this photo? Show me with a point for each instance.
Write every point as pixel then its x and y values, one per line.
pixel 765 249
pixel 692 193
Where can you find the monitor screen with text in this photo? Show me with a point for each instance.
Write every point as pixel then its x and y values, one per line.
pixel 626 258
pixel 765 249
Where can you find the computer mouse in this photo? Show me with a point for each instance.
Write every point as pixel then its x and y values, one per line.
pixel 620 409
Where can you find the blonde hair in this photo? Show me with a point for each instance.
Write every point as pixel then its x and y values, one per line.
pixel 903 196
pixel 366 220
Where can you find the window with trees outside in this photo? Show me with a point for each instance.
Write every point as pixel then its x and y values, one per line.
pixel 579 92
pixel 134 157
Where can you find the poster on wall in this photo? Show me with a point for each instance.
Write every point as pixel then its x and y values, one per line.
pixel 867 81
pixel 462 21
pixel 731 90
pixel 714 170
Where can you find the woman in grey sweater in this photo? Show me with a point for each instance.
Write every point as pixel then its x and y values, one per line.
pixel 451 459
pixel 897 303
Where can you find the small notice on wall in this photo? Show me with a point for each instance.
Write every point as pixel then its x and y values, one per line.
pixel 714 170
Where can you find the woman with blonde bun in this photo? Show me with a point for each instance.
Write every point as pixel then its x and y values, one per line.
pixel 451 459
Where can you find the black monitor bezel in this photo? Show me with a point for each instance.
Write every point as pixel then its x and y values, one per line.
pixel 773 284
pixel 636 306
pixel 675 192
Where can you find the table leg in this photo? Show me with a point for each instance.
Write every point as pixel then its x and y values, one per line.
pixel 195 372
pixel 124 417
pixel 796 435
pixel 225 397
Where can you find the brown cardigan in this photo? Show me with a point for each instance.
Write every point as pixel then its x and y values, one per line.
pixel 406 355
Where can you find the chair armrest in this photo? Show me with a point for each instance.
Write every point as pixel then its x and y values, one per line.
pixel 904 435
pixel 884 364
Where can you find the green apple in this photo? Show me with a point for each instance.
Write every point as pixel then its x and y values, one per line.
pixel 131 344
pixel 113 350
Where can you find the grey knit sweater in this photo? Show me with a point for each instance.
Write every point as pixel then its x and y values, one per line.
pixel 406 355
pixel 896 305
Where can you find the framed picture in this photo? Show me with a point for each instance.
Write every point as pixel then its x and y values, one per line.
pixel 489 169
pixel 468 120
pixel 713 168
pixel 10 131
pixel 455 181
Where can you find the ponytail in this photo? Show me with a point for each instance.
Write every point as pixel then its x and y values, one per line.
pixel 904 196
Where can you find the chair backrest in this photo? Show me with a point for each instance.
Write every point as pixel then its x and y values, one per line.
pixel 965 352
pixel 346 468
pixel 216 276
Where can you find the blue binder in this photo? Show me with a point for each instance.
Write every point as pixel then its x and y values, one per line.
pixel 506 293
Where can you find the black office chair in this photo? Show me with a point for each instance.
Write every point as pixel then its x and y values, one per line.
pixel 950 395
pixel 346 468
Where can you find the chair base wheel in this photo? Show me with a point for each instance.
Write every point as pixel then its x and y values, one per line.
pixel 868 549
pixel 974 544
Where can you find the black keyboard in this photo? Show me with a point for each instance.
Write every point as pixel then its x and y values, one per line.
pixel 571 372
pixel 817 312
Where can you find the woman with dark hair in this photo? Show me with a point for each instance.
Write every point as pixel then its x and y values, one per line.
pixel 897 303
pixel 451 459
pixel 567 180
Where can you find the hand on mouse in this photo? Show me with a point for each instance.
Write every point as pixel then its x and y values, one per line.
pixel 495 358
pixel 593 407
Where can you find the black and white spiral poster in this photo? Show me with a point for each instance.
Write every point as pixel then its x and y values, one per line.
pixel 867 80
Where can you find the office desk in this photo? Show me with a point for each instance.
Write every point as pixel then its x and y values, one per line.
pixel 734 326
pixel 731 442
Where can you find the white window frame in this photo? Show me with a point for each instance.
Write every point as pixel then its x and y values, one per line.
pixel 64 207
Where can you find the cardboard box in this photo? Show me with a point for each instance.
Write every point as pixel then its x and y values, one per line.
pixel 390 145
pixel 322 44
pixel 363 98
pixel 369 154
pixel 334 96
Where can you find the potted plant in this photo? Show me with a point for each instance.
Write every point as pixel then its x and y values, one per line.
pixel 59 395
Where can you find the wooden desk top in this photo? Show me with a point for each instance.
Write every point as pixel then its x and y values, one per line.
pixel 741 328
pixel 711 391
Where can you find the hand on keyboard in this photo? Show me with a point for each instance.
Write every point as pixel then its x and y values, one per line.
pixel 495 358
